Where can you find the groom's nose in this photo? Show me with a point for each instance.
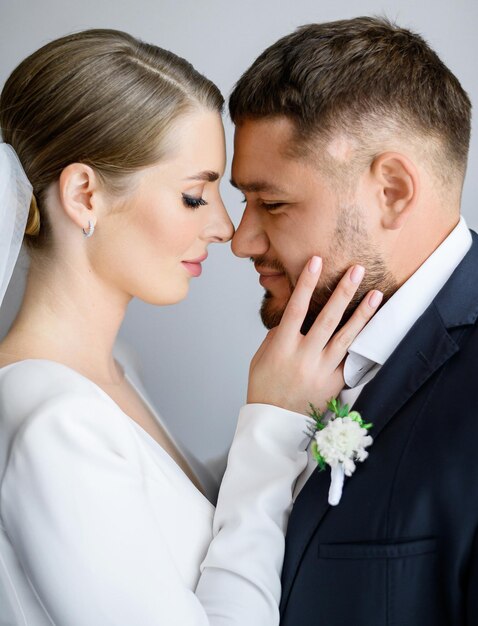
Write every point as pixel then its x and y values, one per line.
pixel 250 239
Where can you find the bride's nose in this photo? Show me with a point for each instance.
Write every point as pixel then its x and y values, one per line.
pixel 219 229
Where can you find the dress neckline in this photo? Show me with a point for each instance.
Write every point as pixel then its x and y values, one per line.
pixel 147 403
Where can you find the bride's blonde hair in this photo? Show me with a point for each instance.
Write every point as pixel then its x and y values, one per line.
pixel 99 97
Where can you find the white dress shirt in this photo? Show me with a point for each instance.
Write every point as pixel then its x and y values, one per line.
pixel 100 527
pixel 376 342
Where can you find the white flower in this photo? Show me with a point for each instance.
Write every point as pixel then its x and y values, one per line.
pixel 343 441
pixel 339 442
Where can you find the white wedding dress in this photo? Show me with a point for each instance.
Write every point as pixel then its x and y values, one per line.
pixel 100 527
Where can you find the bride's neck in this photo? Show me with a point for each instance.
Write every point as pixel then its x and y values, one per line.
pixel 68 316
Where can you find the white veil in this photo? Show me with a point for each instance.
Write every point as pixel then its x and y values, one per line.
pixel 15 198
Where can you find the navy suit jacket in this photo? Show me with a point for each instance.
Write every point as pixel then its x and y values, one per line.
pixel 401 548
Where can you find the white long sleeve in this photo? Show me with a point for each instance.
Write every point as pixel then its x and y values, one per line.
pixel 76 506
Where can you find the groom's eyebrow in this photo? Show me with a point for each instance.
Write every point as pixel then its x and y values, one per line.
pixel 207 176
pixel 257 187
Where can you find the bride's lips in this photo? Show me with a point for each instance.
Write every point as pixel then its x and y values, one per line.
pixel 268 276
pixel 194 266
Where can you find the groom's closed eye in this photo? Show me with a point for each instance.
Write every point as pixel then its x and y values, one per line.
pixel 272 206
pixel 269 206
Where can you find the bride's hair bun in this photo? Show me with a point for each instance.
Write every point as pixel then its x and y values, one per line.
pixel 33 222
pixel 99 97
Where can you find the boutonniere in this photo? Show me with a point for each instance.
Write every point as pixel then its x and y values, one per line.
pixel 339 440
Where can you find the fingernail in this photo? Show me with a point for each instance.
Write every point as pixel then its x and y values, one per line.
pixel 375 298
pixel 357 274
pixel 314 265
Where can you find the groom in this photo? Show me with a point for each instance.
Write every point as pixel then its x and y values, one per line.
pixel 351 142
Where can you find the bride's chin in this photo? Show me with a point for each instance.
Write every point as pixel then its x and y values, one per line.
pixel 166 297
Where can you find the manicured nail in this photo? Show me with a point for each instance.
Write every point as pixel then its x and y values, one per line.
pixel 375 298
pixel 357 274
pixel 314 265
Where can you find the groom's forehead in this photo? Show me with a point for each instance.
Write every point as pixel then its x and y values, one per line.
pixel 262 155
pixel 265 146
pixel 264 134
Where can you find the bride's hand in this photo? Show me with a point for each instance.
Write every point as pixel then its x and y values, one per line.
pixel 290 370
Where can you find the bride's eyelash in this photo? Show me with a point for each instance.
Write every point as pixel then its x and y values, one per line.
pixel 193 203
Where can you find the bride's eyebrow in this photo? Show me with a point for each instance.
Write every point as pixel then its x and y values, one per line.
pixel 207 176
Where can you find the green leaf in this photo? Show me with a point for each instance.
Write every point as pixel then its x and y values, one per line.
pixel 335 406
pixel 317 416
pixel 314 412
pixel 332 405
pixel 314 450
pixel 344 410
pixel 317 456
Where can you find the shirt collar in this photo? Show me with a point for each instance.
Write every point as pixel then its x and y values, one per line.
pixel 379 338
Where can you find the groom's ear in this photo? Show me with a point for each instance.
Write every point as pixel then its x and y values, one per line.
pixel 397 184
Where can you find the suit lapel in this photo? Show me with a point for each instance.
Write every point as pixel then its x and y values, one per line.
pixel 427 347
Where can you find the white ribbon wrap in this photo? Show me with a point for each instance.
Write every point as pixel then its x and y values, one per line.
pixel 337 476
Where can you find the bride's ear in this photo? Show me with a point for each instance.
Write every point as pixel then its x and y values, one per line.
pixel 78 188
pixel 398 184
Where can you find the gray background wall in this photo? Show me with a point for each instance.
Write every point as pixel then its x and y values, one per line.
pixel 195 355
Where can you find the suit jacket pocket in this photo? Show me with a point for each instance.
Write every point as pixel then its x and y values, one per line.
pixel 379 584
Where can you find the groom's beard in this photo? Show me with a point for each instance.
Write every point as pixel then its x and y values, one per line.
pixel 376 277
pixel 349 235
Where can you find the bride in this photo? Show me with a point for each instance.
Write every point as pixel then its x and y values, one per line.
pixel 110 172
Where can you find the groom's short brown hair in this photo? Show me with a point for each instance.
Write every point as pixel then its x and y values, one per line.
pixel 359 77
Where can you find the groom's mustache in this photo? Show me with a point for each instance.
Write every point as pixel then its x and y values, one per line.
pixel 263 263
